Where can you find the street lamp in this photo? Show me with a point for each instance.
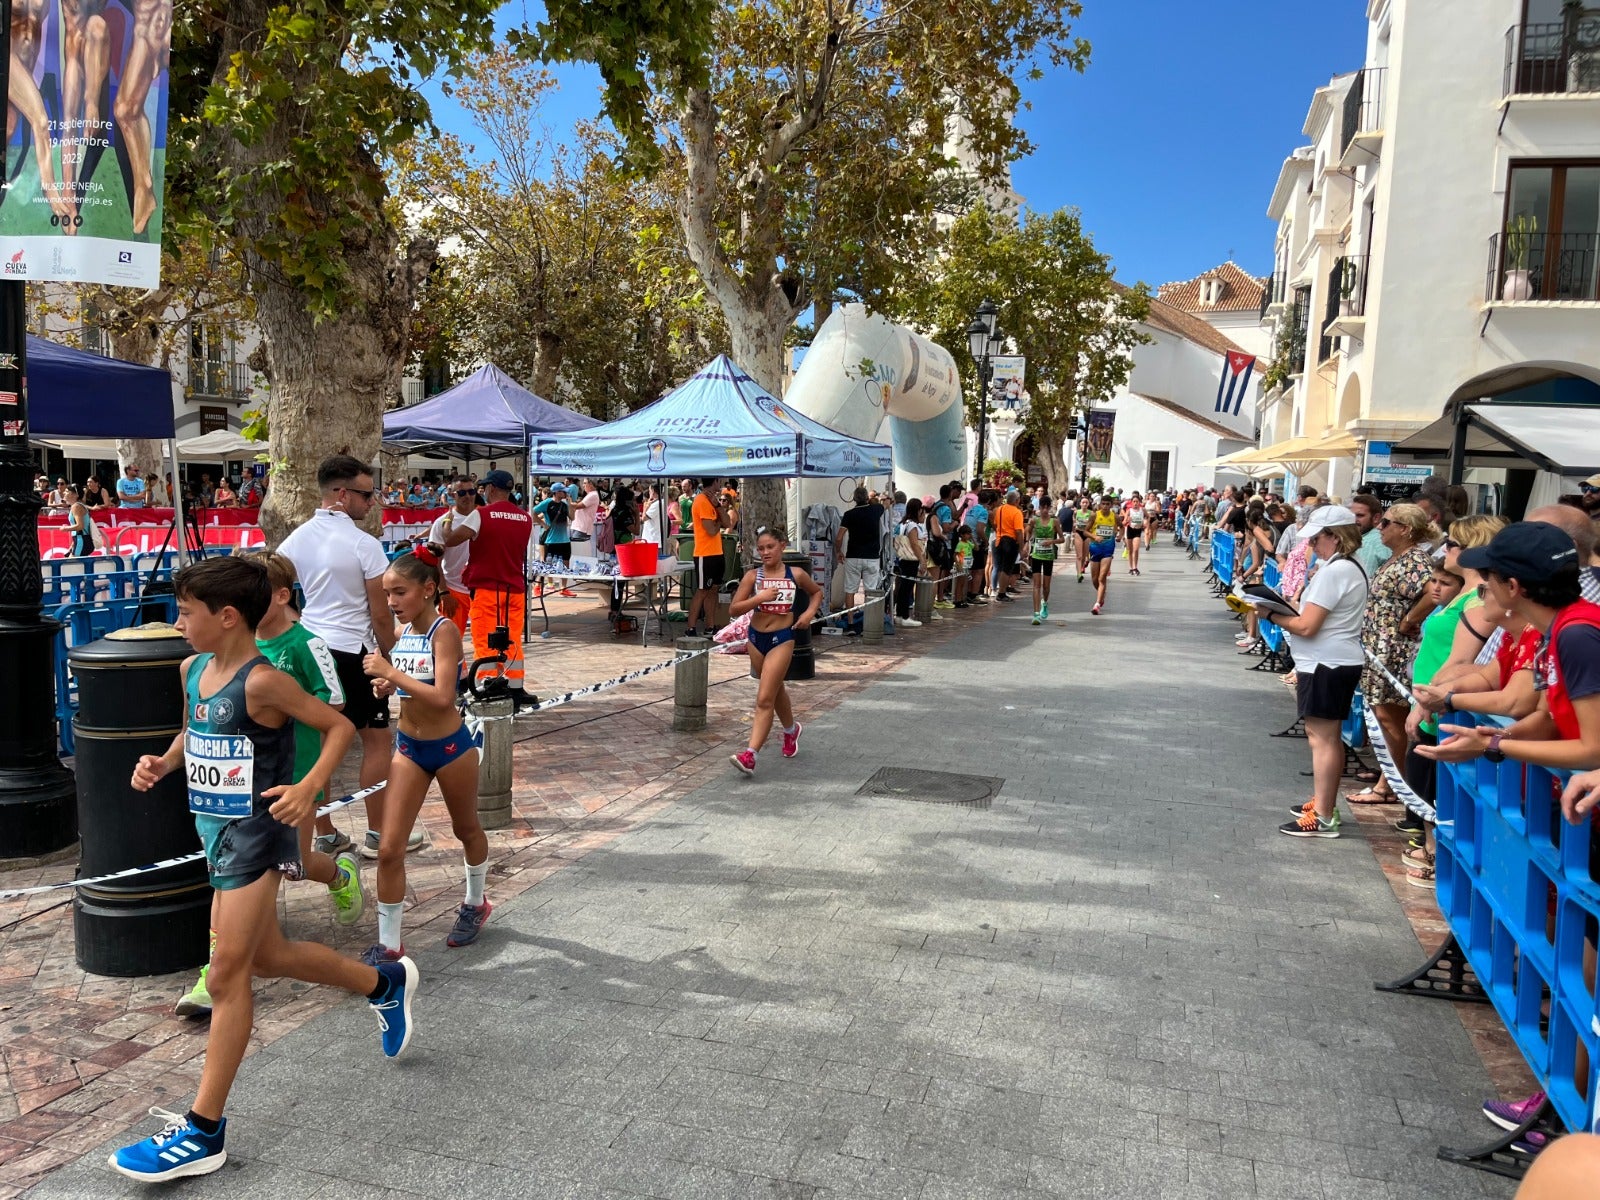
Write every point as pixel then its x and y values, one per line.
pixel 984 341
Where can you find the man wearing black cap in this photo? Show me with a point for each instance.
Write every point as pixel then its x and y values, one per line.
pixel 496 577
pixel 1531 568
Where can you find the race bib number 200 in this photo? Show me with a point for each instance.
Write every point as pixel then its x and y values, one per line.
pixel 221 770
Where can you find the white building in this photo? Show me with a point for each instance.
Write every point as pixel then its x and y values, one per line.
pixel 1167 423
pixel 1227 298
pixel 1440 239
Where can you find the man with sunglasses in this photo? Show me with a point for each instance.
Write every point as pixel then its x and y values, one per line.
pixel 341 570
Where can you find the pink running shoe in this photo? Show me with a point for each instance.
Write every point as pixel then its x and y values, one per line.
pixel 1095 610
pixel 1510 1115
pixel 745 760
pixel 791 741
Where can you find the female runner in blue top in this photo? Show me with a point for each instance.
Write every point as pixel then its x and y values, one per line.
pixel 433 743
pixel 770 594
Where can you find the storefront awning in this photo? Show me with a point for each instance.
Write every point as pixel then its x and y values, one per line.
pixel 1561 438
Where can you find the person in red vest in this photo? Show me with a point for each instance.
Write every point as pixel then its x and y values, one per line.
pixel 496 576
pixel 1532 569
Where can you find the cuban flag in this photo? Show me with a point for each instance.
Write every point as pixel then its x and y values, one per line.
pixel 1235 381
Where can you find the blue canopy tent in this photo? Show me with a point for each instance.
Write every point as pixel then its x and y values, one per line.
pixel 487 412
pixel 75 394
pixel 717 422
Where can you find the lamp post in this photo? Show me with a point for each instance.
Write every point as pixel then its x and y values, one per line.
pixel 984 340
pixel 38 796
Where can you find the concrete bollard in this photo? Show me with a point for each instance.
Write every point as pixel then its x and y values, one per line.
pixel 872 618
pixel 922 605
pixel 690 679
pixel 494 762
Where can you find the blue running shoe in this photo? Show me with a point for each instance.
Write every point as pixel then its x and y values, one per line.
pixel 469 924
pixel 178 1150
pixel 394 1010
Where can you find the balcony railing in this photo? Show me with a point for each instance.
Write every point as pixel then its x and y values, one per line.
pixel 1299 322
pixel 1537 266
pixel 1363 105
pixel 1274 292
pixel 226 380
pixel 1348 284
pixel 1554 57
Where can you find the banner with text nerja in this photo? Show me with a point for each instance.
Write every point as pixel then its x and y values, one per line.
pixel 717 422
pixel 87 157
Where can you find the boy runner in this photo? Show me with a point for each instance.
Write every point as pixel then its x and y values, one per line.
pixel 1102 539
pixel 304 657
pixel 1043 538
pixel 237 748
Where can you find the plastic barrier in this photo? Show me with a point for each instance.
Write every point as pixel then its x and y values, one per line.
pixel 1271 636
pixel 1223 549
pixel 83 623
pixel 1518 887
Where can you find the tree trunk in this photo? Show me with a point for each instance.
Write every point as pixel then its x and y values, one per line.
pixel 1053 458
pixel 331 379
pixel 758 348
pixel 547 357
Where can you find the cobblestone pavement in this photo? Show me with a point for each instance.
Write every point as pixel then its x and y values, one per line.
pixel 1116 979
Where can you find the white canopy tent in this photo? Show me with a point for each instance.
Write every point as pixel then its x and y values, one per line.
pixel 219 445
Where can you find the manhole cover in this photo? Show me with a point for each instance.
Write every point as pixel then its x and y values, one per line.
pixel 932 787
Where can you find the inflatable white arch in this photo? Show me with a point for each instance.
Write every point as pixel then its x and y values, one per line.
pixel 862 374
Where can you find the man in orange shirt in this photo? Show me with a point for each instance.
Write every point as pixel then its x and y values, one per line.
pixel 1007 544
pixel 706 516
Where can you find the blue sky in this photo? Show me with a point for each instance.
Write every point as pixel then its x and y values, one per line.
pixel 1169 144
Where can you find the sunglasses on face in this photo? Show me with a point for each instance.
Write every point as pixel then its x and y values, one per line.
pixel 365 495
pixel 465 492
pixel 1450 544
pixel 1483 591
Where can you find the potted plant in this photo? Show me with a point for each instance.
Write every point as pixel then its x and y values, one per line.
pixel 1520 232
pixel 1348 278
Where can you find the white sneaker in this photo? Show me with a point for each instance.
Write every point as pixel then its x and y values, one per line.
pixel 908 623
pixel 936 616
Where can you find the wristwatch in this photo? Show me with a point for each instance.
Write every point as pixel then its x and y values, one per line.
pixel 1494 754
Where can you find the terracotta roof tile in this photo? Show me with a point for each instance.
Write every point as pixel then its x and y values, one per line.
pixel 1192 328
pixel 1241 292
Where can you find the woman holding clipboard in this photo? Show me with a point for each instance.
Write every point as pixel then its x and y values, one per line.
pixel 1326 635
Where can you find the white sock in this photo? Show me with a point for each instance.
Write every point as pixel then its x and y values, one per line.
pixel 389 923
pixel 475 878
pixel 791 730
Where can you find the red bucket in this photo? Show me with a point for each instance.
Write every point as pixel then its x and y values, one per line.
pixel 637 558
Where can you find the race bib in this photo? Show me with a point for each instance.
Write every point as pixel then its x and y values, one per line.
pixel 413 655
pixel 785 598
pixel 1043 549
pixel 222 772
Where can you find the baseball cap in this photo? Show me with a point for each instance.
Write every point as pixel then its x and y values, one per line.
pixel 1531 551
pixel 558 488
pixel 1329 516
pixel 1593 481
pixel 499 479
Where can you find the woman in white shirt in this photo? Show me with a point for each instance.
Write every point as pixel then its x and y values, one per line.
pixel 1326 636
pixel 655 526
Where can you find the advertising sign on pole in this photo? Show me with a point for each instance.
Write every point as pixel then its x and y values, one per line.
pixel 86 158
pixel 1097 442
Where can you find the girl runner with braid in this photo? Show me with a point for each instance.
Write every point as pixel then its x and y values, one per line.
pixel 771 595
pixel 433 743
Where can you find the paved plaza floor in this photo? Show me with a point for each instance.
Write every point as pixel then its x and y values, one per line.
pixel 1114 978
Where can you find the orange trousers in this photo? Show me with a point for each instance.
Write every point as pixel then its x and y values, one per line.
pixel 491 609
pixel 461 609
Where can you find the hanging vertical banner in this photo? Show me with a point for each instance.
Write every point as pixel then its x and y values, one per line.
pixel 1235 381
pixel 1097 442
pixel 86 155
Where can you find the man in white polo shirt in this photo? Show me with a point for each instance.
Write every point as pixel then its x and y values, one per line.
pixel 341 570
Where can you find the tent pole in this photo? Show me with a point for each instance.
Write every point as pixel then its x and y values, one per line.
pixel 177 502
pixel 38 796
pixel 1458 444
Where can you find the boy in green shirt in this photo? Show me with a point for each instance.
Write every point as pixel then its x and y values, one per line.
pixel 965 549
pixel 303 656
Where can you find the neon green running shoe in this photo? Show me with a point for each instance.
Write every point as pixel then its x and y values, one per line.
pixel 1044 610
pixel 348 900
pixel 196 1002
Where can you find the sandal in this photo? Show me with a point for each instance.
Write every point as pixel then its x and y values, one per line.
pixel 1371 796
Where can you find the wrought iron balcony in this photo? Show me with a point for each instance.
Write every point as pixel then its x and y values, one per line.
pixel 224 380
pixel 1554 57
pixel 1274 292
pixel 1363 105
pixel 1539 267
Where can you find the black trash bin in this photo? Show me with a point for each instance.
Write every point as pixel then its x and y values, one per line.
pixel 804 663
pixel 130 702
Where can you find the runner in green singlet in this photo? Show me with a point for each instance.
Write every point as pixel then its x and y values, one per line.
pixel 1044 535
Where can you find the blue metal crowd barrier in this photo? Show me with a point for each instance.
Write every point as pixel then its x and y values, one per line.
pixel 1222 556
pixel 1518 887
pixel 1271 636
pixel 82 623
pixel 1353 729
